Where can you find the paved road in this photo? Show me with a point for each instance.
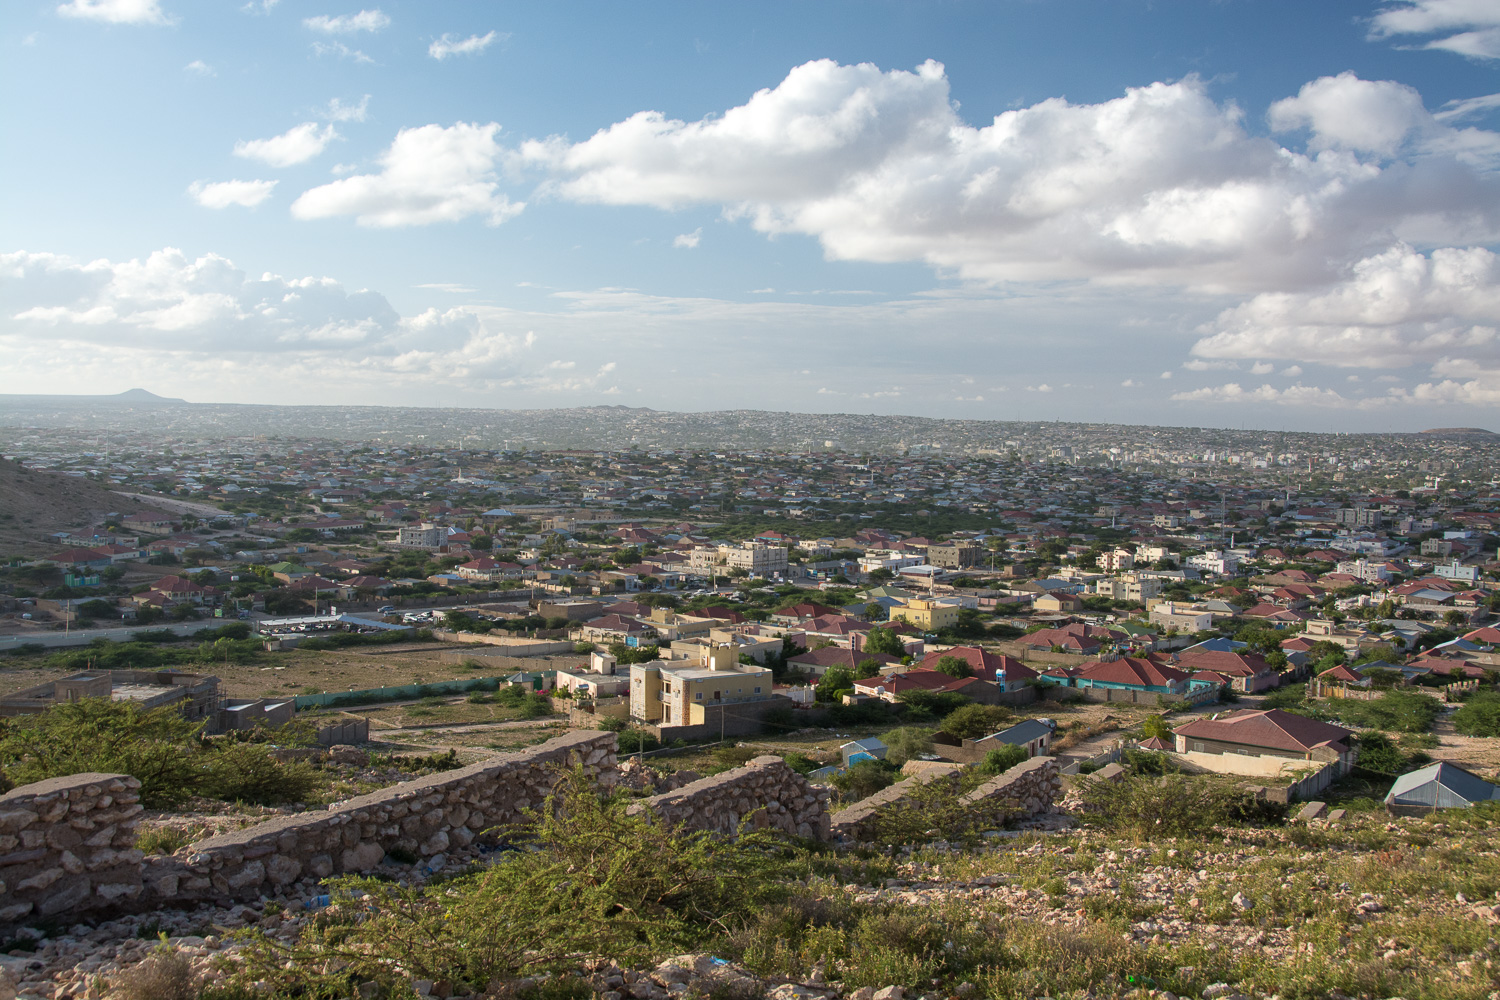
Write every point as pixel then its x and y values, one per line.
pixel 84 636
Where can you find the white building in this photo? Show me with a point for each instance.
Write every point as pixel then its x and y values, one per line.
pixel 1216 561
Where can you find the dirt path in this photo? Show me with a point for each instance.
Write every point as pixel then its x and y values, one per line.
pixel 1480 754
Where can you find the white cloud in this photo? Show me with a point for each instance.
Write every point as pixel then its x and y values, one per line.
pixel 446 286
pixel 296 145
pixel 346 24
pixel 338 111
pixel 687 241
pixel 1468 27
pixel 1292 371
pixel 223 194
pixel 1345 112
pixel 117 11
pixel 1166 375
pixel 1044 387
pixel 341 50
pixel 1262 368
pixel 1468 107
pixel 200 67
pixel 182 311
pixel 452 45
pixel 259 6
pixel 1394 309
pixel 1159 186
pixel 429 174
pixel 1297 395
pixel 1199 365
pixel 1130 383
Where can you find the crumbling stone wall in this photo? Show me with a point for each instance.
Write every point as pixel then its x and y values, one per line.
pixel 67 846
pixel 1026 790
pixel 766 791
pixel 427 816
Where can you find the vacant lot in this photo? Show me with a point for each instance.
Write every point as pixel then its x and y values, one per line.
pixel 297 671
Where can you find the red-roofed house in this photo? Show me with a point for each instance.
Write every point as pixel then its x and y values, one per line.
pixel 818 662
pixel 891 686
pixel 1250 672
pixel 1133 673
pixel 1007 672
pixel 1269 733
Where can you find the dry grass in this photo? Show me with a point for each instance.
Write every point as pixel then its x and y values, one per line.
pixel 164 975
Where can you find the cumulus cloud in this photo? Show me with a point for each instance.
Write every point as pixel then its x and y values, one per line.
pixel 346 24
pixel 1345 112
pixel 296 145
pixel 1468 27
pixel 1393 309
pixel 222 194
pixel 173 305
pixel 117 11
pixel 1161 185
pixel 687 241
pixel 429 174
pixel 1297 395
pixel 338 111
pixel 200 67
pixel 452 45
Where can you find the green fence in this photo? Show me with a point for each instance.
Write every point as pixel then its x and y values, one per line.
pixel 333 699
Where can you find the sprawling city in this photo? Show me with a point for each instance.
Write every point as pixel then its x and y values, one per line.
pixel 868 500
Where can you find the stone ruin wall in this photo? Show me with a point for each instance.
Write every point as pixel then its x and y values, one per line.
pixel 69 843
pixel 1026 790
pixel 68 847
pixel 427 816
pixel 765 791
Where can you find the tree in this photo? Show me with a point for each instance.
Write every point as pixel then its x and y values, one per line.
pixel 882 575
pixel 866 669
pixel 884 640
pixel 875 611
pixel 954 666
pixel 1379 753
pixel 906 743
pixel 1156 727
pixel 973 721
pixel 835 683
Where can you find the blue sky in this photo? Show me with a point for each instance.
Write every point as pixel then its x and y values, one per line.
pixel 1236 213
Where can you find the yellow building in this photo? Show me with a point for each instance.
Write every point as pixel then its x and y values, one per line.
pixel 677 695
pixel 929 616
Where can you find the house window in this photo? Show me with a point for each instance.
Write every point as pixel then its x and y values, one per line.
pixel 1198 747
pixel 757 690
pixel 699 696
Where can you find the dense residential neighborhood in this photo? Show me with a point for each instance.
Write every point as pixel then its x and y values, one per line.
pixel 1011 642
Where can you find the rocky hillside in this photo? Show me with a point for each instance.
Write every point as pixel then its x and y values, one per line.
pixel 35 503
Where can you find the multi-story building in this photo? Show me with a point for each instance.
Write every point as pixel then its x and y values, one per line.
pixel 1358 517
pixel 956 555
pixel 672 695
pixel 927 615
pixel 1223 563
pixel 756 558
pixel 1132 587
pixel 1116 560
pixel 424 536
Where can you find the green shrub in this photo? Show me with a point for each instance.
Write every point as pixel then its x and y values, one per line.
pixel 861 780
pixel 1479 716
pixel 156 746
pixel 593 879
pixel 1002 759
pixel 1172 806
pixel 246 772
pixel 637 741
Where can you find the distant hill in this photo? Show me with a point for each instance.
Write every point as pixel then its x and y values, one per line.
pixel 130 397
pixel 35 503
pixel 1460 432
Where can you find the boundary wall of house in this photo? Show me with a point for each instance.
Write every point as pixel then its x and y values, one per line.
pixel 333 699
pixel 765 793
pixel 741 718
pixel 1028 789
pixel 344 732
pixel 513 645
pixel 68 846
